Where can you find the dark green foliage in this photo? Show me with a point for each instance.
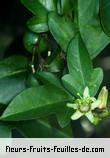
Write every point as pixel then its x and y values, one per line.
pixel 57 71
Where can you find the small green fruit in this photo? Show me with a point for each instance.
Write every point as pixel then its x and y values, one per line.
pixel 30 40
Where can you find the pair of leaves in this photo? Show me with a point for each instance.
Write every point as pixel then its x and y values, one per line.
pixel 12 77
pixel 81 72
pixel 40 9
pixel 86 21
pixel 64 114
pixel 39 101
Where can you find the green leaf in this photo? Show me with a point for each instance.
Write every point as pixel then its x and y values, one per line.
pixel 89 26
pixel 12 66
pixel 12 77
pixel 65 6
pixel 64 115
pixel 56 64
pixel 40 7
pixel 10 87
pixel 5 131
pixel 36 128
pixel 38 24
pixel 81 74
pixel 79 65
pixel 96 80
pixel 34 6
pixel 50 5
pixel 61 29
pixel 105 15
pixel 71 84
pixel 32 81
pixel 35 102
pixel 49 78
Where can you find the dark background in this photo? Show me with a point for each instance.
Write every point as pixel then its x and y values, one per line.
pixel 13 17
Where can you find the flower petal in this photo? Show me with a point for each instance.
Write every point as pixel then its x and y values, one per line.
pixel 76 115
pixel 86 92
pixel 71 105
pixel 90 116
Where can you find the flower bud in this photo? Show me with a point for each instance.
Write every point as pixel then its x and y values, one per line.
pixel 103 96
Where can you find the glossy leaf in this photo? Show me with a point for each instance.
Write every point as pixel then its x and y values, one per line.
pixel 12 77
pixel 5 131
pixel 79 65
pixel 40 7
pixel 50 5
pixel 71 85
pixel 64 115
pixel 89 26
pixel 105 15
pixel 77 55
pixel 11 86
pixel 61 29
pixel 81 74
pixel 34 6
pixel 12 66
pixel 38 24
pixel 34 103
pixel 96 80
pixel 36 128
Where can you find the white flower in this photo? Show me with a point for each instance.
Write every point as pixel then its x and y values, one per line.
pixel 84 106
